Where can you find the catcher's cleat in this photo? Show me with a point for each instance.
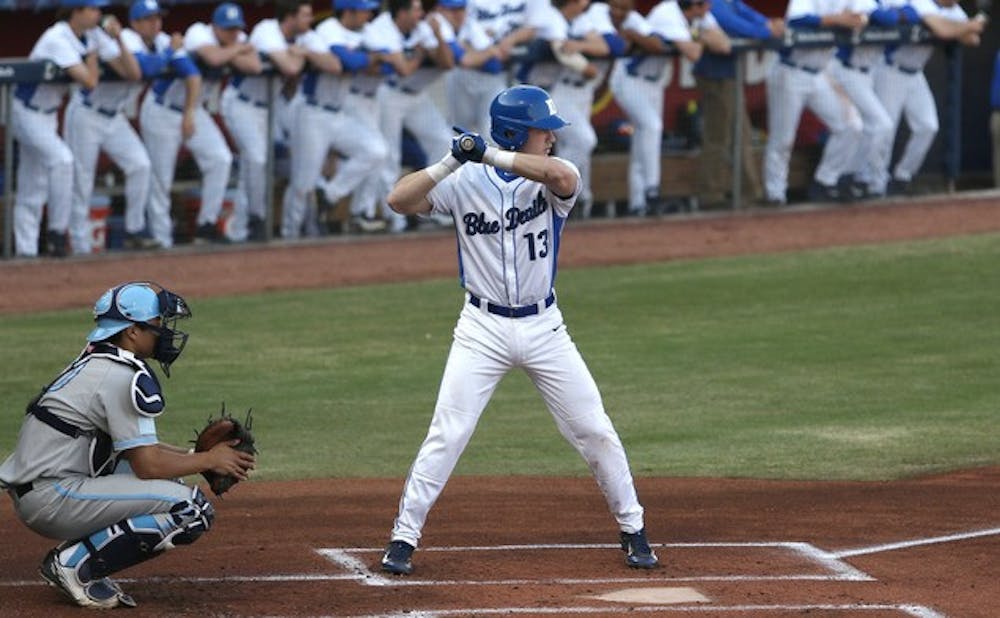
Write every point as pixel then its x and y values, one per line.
pixel 99 593
pixel 639 555
pixel 397 558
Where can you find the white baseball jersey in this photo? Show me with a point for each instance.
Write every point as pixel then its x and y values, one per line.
pixel 501 17
pixel 668 22
pixel 60 45
pixel 171 90
pixel 812 58
pixel 914 57
pixel 471 90
pixel 326 88
pixel 507 250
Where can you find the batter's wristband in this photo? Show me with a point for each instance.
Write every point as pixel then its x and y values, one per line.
pixel 504 159
pixel 440 170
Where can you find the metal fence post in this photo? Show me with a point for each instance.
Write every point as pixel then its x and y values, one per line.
pixel 736 145
pixel 953 116
pixel 269 163
pixel 8 173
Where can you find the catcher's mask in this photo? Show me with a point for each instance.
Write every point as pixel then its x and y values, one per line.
pixel 137 302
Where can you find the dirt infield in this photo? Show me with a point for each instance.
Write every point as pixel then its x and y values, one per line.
pixel 540 546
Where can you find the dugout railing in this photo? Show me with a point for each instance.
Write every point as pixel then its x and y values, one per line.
pixel 20 70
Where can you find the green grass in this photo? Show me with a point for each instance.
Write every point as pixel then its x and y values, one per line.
pixel 858 363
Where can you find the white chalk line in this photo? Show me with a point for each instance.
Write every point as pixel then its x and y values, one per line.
pixel 918 611
pixel 875 549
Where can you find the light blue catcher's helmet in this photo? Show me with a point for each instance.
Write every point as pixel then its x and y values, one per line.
pixel 122 306
pixel 137 302
pixel 519 108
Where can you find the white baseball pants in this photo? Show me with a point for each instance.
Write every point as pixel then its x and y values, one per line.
pixel 642 100
pixel 878 128
pixel 470 93
pixel 44 176
pixel 485 348
pixel 577 141
pixel 87 132
pixel 247 124
pixel 909 95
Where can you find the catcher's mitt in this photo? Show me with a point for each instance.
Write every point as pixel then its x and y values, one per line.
pixel 223 429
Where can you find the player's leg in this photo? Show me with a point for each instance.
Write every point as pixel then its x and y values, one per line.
pixel 577 141
pixel 32 189
pixel 463 110
pixel 312 134
pixel 248 126
pixel 833 107
pixel 787 88
pixel 892 89
pixel 560 374
pixel 366 149
pixel 125 148
pixel 111 523
pixel 921 116
pixel 878 126
pixel 211 152
pixel 84 132
pixel 476 364
pixel 161 133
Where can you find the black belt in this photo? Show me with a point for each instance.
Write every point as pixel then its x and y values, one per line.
pixel 21 490
pixel 403 89
pixel 358 91
pixel 35 108
pixel 848 65
pixel 176 108
pixel 329 108
pixel 254 102
pixel 511 312
pixel 576 83
pixel 110 113
pixel 906 70
pixel 648 78
pixel 789 63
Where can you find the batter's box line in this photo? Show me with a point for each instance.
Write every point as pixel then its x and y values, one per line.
pixel 917 611
pixel 837 569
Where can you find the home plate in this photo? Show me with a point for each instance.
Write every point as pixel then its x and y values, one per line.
pixel 654 595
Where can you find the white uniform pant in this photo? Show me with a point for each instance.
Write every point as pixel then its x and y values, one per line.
pixel 374 188
pixel 484 349
pixel 87 132
pixel 315 131
pixel 418 114
pixel 789 91
pixel 576 142
pixel 642 100
pixel 907 94
pixel 878 128
pixel 470 93
pixel 161 131
pixel 247 123
pixel 44 176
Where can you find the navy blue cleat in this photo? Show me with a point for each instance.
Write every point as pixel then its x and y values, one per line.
pixel 639 555
pixel 397 558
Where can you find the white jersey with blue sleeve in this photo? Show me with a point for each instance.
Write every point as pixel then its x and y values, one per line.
pixel 508 229
pixel 667 22
pixel 60 45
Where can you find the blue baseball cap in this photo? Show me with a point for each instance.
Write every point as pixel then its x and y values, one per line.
pixel 452 4
pixel 228 15
pixel 356 5
pixel 79 4
pixel 141 9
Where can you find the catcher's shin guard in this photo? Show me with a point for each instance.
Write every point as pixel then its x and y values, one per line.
pixel 139 538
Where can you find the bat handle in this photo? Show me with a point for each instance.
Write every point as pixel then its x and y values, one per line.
pixel 466 143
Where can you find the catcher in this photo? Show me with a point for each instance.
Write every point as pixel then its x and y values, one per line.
pixel 88 467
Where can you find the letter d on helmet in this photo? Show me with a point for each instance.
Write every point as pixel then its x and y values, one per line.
pixel 517 109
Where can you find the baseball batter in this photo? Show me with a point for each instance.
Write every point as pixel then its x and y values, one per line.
pixel 94 121
pixel 903 90
pixel 88 467
pixel 638 83
pixel 509 205
pixel 45 164
pixel 799 79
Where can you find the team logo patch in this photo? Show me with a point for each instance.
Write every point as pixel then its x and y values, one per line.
pixel 147 398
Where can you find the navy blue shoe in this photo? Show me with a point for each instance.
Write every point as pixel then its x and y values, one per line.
pixel 397 558
pixel 638 553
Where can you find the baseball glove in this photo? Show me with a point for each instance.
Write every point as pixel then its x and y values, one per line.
pixel 224 429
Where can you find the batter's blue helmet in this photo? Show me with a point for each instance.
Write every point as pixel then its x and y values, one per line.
pixel 356 5
pixel 517 109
